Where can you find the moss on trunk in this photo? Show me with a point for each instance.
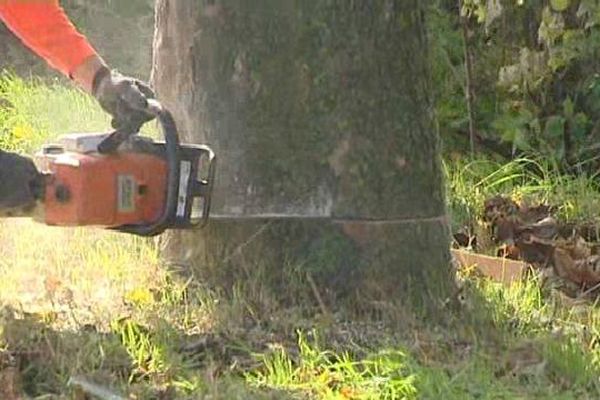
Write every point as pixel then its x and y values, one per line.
pixel 316 109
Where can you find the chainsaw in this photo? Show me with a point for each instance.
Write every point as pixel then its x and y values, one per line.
pixel 127 182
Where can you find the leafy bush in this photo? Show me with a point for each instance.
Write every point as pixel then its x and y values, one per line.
pixel 534 76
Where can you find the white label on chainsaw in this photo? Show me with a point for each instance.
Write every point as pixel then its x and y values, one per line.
pixel 184 177
pixel 126 189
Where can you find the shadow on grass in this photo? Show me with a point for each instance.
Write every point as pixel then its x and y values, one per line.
pixel 491 343
pixel 131 359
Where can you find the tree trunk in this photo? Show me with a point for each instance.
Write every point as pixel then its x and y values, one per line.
pixel 328 169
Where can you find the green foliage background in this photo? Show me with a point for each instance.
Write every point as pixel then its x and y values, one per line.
pixel 535 77
pixel 121 31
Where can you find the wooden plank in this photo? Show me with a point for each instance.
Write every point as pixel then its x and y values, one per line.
pixel 499 269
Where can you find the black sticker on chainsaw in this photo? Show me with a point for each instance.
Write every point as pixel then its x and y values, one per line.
pixel 125 193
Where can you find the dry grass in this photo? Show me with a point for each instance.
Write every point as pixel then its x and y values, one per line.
pixel 85 273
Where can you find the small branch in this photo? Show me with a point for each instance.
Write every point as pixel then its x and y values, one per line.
pixel 588 291
pixel 239 249
pixel 468 76
pixel 315 291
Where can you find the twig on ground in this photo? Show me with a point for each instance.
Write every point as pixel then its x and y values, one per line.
pixel 588 291
pixel 315 291
pixel 240 248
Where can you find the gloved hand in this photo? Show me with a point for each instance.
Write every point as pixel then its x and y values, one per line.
pixel 124 98
pixel 21 185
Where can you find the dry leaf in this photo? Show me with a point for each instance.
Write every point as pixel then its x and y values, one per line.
pixel 531 234
pixel 584 271
pixel 10 384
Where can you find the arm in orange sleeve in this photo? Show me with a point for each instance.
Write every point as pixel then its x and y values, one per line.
pixel 43 26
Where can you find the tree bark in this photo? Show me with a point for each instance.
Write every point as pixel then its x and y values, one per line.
pixel 319 112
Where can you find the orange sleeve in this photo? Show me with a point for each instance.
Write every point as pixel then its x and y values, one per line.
pixel 44 27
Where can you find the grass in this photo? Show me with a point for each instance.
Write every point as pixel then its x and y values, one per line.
pixel 33 113
pixel 103 307
pixel 470 183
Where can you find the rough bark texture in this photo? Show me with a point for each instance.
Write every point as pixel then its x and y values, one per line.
pixel 316 109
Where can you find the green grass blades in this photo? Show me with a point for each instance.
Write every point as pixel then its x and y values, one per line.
pixel 470 183
pixel 32 113
pixel 327 375
pixel 104 306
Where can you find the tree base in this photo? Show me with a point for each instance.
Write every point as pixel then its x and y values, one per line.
pixel 320 264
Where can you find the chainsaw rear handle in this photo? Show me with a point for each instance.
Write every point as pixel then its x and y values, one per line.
pixel 169 130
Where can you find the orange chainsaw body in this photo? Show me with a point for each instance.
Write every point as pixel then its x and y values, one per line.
pixel 126 182
pixel 103 190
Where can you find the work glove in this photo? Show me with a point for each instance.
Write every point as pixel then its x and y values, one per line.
pixel 21 185
pixel 124 98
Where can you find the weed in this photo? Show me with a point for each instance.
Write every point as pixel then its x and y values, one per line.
pixel 328 375
pixel 33 113
pixel 469 184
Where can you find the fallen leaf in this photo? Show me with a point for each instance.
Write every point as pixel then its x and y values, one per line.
pixel 10 384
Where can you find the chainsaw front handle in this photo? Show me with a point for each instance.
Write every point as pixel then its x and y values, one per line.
pixel 169 130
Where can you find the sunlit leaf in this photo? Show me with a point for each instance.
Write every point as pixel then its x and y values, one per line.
pixel 580 125
pixel 555 126
pixel 568 107
pixel 559 5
